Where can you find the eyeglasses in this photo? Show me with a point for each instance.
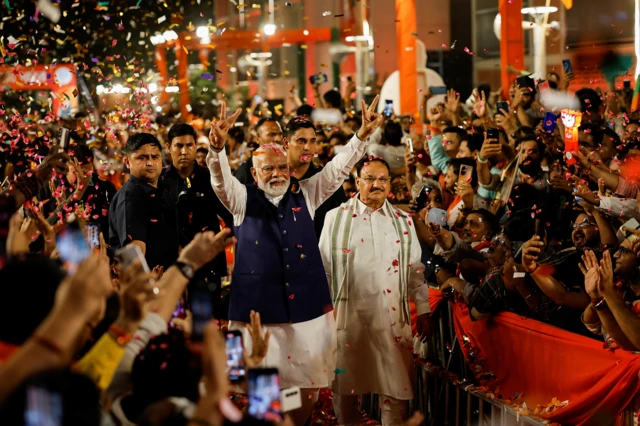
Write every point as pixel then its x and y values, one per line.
pixel 584 224
pixel 624 250
pixel 383 180
pixel 284 168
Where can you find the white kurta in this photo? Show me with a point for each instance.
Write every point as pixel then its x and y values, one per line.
pixel 375 351
pixel 304 353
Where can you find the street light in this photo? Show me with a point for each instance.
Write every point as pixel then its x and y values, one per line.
pixel 202 32
pixel 157 39
pixel 269 29
pixel 170 35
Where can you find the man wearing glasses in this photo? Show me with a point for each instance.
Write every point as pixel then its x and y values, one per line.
pixel 371 256
pixel 278 269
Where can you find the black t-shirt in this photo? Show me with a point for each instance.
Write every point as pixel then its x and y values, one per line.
pixel 141 212
pixel 197 208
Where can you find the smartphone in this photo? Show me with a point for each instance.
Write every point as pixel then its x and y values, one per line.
pixel 525 81
pixel 438 90
pixel 538 229
pixel 437 216
pixel 201 304
pixel 318 78
pixel 421 193
pixel 622 233
pixel 549 123
pixel 410 144
pixel 43 407
pixel 129 254
pixel 566 65
pixel 388 108
pixel 258 99
pixel 93 236
pixel 544 86
pixel 627 85
pixel 235 355
pixel 63 136
pixel 493 133
pixel 72 247
pixel 502 105
pixel 263 389
pixel 466 173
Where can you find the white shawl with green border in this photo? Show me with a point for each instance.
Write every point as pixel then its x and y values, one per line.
pixel 341 255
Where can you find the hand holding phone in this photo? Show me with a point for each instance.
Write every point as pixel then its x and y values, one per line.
pixel 72 247
pixel 318 78
pixel 64 135
pixel 466 173
pixel 566 65
pixel 388 108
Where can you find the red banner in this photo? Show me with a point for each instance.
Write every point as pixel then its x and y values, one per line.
pixel 563 377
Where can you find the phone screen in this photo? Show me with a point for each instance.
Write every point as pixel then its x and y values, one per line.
pixel 93 236
pixel 466 173
pixel 388 108
pixel 438 90
pixel 502 105
pixel 264 394
pixel 64 135
pixel 235 355
pixel 549 123
pixel 72 248
pixel 566 65
pixel 201 303
pixel 43 407
pixel 437 216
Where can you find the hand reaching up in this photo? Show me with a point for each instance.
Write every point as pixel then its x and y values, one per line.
pixel 220 128
pixel 370 120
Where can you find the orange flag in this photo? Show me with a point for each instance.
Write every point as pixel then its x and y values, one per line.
pixel 568 4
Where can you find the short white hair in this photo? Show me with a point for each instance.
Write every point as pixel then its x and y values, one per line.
pixel 257 157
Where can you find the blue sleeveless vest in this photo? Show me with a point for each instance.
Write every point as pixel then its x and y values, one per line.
pixel 278 269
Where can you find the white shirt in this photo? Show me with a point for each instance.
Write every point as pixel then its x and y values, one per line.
pixel 316 189
pixel 304 353
pixel 375 349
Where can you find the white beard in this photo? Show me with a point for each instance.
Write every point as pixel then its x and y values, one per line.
pixel 274 191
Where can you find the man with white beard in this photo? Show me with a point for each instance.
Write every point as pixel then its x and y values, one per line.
pixel 278 269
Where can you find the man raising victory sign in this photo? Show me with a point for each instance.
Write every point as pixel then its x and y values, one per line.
pixel 278 271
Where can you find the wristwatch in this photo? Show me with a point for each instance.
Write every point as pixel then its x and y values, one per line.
pixel 186 269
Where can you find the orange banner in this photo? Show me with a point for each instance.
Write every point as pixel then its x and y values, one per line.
pixel 59 79
pixel 511 41
pixel 545 367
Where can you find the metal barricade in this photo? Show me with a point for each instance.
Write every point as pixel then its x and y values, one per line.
pixel 444 387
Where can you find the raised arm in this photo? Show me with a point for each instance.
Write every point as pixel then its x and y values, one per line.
pixel 232 193
pixel 320 186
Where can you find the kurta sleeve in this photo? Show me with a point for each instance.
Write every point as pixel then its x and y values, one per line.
pixel 418 288
pixel 325 245
pixel 320 186
pixel 229 190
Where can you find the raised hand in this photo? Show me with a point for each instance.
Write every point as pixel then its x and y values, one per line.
pixel 453 101
pixel 592 274
pixel 607 286
pixel 531 251
pixel 204 247
pixel 56 160
pixel 370 120
pixel 220 128
pixel 480 105
pixel 259 342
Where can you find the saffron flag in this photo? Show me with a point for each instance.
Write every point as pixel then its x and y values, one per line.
pixel 567 3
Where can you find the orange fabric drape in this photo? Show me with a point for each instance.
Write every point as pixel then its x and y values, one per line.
pixel 511 41
pixel 406 32
pixel 540 362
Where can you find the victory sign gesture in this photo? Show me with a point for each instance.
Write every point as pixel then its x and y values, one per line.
pixel 370 120
pixel 220 128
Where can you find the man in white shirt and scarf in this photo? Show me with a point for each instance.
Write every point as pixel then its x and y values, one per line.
pixel 278 268
pixel 371 256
